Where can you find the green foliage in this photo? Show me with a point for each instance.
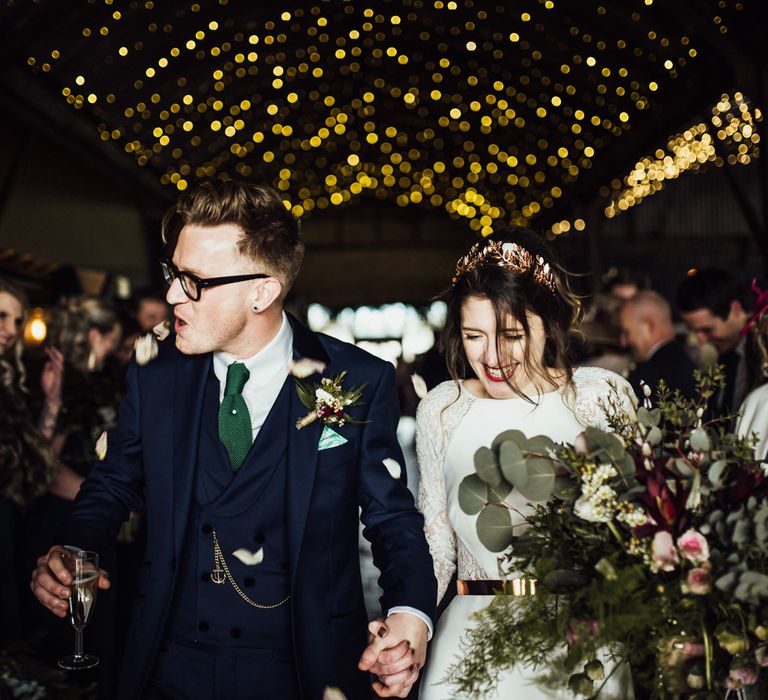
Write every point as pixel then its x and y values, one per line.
pixel 597 506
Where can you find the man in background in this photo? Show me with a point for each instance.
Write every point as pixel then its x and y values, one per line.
pixel 647 330
pixel 714 306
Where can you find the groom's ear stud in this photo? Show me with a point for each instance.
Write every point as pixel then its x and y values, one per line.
pixel 255 307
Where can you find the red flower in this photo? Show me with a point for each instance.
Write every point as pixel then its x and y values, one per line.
pixel 664 498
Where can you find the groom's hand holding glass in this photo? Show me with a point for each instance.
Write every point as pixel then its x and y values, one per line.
pixel 396 652
pixel 51 581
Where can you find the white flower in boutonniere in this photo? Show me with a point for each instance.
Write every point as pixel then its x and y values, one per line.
pixel 327 401
pixel 146 345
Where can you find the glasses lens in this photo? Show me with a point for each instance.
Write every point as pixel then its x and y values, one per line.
pixel 168 273
pixel 189 285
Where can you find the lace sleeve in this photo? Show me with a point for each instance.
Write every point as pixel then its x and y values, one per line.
pixel 599 390
pixel 431 495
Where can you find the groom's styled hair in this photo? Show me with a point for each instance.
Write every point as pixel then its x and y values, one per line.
pixel 270 231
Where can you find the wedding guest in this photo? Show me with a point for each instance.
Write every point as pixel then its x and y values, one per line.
pixel 647 330
pixel 714 306
pixel 601 334
pixel 623 283
pixel 250 584
pixel 506 342
pixel 86 331
pixel 149 308
pixel 26 461
pixel 754 409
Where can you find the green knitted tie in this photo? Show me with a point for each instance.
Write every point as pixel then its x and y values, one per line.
pixel 234 419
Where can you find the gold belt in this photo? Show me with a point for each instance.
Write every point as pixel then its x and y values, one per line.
pixel 517 587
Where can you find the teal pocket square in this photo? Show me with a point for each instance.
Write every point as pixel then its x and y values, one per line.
pixel 330 438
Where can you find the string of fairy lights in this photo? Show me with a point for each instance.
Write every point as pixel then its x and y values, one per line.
pixel 731 138
pixel 489 112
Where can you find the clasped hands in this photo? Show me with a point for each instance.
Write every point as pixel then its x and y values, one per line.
pixel 396 651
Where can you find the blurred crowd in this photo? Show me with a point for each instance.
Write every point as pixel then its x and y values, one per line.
pixel 59 395
pixel 56 398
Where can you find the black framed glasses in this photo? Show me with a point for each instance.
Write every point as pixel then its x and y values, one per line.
pixel 193 286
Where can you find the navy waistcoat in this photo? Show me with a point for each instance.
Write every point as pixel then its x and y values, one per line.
pixel 246 510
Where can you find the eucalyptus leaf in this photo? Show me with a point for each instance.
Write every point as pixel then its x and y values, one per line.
pixel 487 466
pixel 700 440
pixel 683 467
pixel 517 436
pixel 626 465
pixel 742 531
pixel 727 582
pixel 513 463
pixel 614 447
pixel 761 528
pixel 498 494
pixel 596 438
pixel 752 584
pixel 540 444
pixel 473 494
pixel 494 528
pixel 540 479
pixel 648 417
pixel 716 471
pixel 654 436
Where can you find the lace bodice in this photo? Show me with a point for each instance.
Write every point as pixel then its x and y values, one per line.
pixel 451 424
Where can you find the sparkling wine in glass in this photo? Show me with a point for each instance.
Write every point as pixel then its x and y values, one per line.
pixel 84 567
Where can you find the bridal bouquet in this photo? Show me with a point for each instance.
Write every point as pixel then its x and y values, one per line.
pixel 648 544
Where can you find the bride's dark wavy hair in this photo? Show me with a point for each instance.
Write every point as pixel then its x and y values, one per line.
pixel 516 293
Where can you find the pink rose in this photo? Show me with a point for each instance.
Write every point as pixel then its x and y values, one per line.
pixel 740 678
pixel 699 581
pixel 578 630
pixel 663 552
pixel 693 546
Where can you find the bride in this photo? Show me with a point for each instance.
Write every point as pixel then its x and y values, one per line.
pixel 510 313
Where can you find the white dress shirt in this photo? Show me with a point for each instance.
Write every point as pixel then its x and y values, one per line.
pixel 268 369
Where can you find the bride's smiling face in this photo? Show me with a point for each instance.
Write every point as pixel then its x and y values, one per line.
pixel 497 365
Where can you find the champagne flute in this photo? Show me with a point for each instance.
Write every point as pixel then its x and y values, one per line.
pixel 84 568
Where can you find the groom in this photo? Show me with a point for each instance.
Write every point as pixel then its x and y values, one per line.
pixel 250 585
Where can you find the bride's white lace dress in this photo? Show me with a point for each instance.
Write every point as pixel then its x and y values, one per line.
pixel 451 424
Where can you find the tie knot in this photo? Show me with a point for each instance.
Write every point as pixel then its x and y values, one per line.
pixel 237 376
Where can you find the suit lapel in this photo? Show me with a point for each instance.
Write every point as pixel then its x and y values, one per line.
pixel 191 374
pixel 302 445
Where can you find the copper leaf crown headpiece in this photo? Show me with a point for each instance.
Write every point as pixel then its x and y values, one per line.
pixel 510 256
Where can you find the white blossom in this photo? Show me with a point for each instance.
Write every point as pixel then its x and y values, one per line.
pixel 323 396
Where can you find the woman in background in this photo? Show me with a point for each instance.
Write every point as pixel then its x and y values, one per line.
pixel 26 460
pixel 87 332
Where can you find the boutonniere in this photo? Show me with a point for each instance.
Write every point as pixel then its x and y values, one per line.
pixel 327 401
pixel 145 346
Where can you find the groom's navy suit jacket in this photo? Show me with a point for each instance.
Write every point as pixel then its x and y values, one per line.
pixel 152 454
